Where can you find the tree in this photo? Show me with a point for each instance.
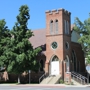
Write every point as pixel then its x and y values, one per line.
pixel 19 54
pixel 24 56
pixel 5 38
pixel 22 50
pixel 83 28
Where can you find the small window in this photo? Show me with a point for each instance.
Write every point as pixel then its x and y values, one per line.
pixel 67 45
pixel 54 45
pixel 41 65
pixel 55 58
pixel 56 26
pixel 51 27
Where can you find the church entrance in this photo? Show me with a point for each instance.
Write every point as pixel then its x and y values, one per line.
pixel 55 66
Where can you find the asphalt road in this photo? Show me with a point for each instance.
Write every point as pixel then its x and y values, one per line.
pixel 41 88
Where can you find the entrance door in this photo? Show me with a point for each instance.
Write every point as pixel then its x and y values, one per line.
pixel 55 68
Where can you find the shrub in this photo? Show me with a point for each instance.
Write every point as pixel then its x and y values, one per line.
pixel 61 81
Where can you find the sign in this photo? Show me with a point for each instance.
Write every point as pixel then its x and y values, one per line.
pixel 88 68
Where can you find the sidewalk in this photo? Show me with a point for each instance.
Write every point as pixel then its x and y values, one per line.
pixel 45 85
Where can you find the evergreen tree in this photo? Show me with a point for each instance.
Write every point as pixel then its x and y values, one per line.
pixel 83 28
pixel 16 52
pixel 23 54
pixel 5 38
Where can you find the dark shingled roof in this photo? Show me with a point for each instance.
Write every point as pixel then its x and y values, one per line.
pixel 39 38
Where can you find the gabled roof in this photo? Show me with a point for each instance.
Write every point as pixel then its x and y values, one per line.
pixel 39 37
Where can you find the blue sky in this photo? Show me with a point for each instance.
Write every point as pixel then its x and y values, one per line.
pixel 9 10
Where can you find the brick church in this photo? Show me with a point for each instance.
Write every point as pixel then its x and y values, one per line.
pixel 60 50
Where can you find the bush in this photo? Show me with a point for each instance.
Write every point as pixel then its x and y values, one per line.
pixel 61 81
pixel 72 83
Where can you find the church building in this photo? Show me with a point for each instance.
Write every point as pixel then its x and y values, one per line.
pixel 61 51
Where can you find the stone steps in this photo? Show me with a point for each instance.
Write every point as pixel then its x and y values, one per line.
pixel 51 80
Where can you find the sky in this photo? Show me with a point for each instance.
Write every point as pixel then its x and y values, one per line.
pixel 9 9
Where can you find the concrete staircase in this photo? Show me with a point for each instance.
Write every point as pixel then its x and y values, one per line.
pixel 51 80
pixel 78 79
pixel 75 82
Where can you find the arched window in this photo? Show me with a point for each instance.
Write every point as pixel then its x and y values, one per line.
pixel 55 58
pixel 67 64
pixel 74 60
pixel 41 65
pixel 56 26
pixel 51 27
pixel 65 28
pixel 67 45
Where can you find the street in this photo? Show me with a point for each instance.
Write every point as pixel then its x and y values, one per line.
pixel 41 88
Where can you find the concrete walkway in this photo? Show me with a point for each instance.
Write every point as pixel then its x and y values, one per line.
pixel 45 85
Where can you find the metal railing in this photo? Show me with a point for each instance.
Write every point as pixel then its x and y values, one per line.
pixel 79 78
pixel 48 77
pixel 42 77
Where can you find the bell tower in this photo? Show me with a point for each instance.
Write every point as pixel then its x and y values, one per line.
pixel 58 37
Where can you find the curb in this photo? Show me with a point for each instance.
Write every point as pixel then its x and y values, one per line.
pixel 45 85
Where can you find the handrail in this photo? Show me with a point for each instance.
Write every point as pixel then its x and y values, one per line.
pixel 47 77
pixel 79 76
pixel 41 77
pixel 83 77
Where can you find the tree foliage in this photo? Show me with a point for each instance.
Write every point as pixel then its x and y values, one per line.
pixel 24 56
pixel 83 28
pixel 5 38
pixel 16 52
